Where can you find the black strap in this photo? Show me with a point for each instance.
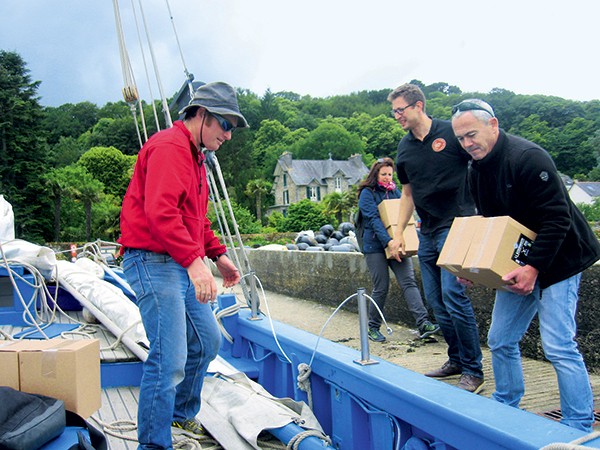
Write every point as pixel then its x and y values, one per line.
pixel 98 440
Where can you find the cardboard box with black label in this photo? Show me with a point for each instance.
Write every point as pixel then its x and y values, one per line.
pixel 490 247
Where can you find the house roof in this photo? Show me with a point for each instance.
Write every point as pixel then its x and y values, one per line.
pixel 304 171
pixel 592 188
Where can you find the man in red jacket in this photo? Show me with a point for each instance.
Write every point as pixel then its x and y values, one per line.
pixel 166 236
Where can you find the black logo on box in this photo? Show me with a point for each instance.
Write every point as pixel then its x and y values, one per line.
pixel 522 247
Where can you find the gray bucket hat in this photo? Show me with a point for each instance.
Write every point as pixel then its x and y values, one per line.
pixel 218 98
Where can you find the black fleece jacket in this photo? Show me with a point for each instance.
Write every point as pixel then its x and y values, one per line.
pixel 519 179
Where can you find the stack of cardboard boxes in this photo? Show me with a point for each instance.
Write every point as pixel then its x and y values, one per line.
pixel 66 369
pixel 484 249
pixel 389 211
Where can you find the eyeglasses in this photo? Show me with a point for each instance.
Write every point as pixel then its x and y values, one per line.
pixel 225 124
pixel 471 106
pixel 401 110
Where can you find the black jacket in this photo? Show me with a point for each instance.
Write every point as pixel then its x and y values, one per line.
pixel 519 179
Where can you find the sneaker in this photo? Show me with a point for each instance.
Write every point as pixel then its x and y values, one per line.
pixel 448 369
pixel 427 328
pixel 190 426
pixel 470 383
pixel 375 335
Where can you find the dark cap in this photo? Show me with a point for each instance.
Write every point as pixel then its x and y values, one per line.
pixel 218 98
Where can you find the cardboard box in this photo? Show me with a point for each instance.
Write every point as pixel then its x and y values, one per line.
pixel 65 369
pixel 9 360
pixel 484 249
pixel 389 211
pixel 499 246
pixel 457 245
pixel 411 239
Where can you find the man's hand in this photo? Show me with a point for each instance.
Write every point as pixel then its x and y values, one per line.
pixel 464 282
pixel 397 247
pixel 521 280
pixel 203 280
pixel 231 276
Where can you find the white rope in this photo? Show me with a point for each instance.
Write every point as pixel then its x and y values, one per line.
pixel 226 312
pixel 189 77
pixel 295 442
pixel 166 112
pixel 573 444
pixel 143 53
pixel 304 371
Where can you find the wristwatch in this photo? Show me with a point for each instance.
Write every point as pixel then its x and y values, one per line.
pixel 218 256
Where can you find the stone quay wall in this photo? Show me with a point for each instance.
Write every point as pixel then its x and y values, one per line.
pixel 330 277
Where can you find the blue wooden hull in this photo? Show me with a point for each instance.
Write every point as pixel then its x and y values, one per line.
pixel 380 406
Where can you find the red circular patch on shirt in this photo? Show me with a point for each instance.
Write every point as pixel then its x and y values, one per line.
pixel 438 145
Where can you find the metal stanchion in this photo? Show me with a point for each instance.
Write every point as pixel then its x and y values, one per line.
pixel 363 318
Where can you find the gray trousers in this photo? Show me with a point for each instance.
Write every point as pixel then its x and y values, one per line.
pixel 379 266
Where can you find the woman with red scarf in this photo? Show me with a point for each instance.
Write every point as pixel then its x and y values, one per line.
pixel 379 186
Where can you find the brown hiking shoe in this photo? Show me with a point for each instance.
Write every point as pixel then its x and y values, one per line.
pixel 448 369
pixel 470 383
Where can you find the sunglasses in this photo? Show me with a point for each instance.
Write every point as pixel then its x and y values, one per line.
pixel 225 124
pixel 470 106
pixel 401 110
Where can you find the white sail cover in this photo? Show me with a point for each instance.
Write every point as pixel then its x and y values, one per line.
pixel 111 300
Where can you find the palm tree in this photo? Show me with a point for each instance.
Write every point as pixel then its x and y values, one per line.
pixel 258 188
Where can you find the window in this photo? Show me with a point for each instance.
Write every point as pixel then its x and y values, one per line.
pixel 285 180
pixel 313 193
pixel 286 198
pixel 338 184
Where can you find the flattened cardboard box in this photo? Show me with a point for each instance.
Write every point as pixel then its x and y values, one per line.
pixel 68 370
pixel 499 245
pixel 9 360
pixel 411 239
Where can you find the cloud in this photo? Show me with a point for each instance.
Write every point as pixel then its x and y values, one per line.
pixel 319 48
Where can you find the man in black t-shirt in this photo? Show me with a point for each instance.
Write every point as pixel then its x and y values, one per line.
pixel 432 168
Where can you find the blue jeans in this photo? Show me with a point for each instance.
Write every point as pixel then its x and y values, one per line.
pixel 452 308
pixel 555 306
pixel 184 339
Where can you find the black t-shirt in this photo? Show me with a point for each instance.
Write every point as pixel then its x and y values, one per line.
pixel 436 169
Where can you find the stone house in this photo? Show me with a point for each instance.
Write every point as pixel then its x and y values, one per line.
pixel 295 180
pixel 584 191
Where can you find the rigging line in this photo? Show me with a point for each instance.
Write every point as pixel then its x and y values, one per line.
pixel 137 28
pixel 130 92
pixel 166 113
pixel 189 77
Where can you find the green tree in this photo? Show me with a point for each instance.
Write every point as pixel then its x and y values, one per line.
pixel 339 205
pixel 110 166
pixel 67 151
pixel 328 139
pixel 257 189
pixel 247 223
pixel 119 133
pixel 87 190
pixel 57 182
pixel 69 120
pixel 305 215
pixel 23 151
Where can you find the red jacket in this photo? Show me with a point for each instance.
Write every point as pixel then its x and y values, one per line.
pixel 164 209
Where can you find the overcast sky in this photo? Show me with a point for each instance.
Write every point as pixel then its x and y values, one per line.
pixel 314 47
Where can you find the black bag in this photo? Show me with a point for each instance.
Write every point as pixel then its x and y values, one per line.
pixel 96 441
pixel 359 228
pixel 28 421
